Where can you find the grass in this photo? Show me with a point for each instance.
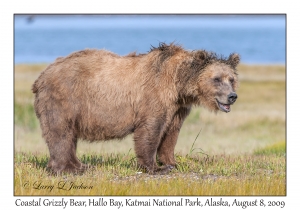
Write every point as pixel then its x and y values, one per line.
pixel 25 115
pixel 278 148
pixel 119 175
pixel 239 153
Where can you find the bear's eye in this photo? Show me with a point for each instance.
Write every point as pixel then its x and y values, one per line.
pixel 231 80
pixel 217 79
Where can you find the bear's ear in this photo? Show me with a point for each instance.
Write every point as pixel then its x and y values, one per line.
pixel 199 59
pixel 200 55
pixel 233 60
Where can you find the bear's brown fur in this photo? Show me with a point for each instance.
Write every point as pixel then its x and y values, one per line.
pixel 98 95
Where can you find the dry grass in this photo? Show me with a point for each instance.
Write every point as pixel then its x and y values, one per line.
pixel 119 175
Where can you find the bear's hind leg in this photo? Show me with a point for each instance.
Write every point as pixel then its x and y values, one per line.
pixel 62 143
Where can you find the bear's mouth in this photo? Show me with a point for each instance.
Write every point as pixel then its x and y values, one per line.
pixel 223 107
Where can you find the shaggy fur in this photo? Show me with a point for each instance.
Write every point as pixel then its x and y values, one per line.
pixel 98 95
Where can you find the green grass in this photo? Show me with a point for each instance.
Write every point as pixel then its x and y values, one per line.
pixel 278 148
pixel 239 153
pixel 25 115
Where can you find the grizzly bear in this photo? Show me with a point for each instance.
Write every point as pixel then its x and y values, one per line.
pixel 98 95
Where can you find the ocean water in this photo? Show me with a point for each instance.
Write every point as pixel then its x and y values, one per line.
pixel 259 39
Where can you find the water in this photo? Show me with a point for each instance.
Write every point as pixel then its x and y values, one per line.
pixel 258 39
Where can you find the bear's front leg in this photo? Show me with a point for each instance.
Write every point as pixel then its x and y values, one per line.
pixel 169 140
pixel 147 138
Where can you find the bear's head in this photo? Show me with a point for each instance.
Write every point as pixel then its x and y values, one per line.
pixel 210 81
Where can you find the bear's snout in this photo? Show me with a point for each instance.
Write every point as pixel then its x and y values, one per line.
pixel 232 97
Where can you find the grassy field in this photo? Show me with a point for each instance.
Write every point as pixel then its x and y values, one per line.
pixel 239 153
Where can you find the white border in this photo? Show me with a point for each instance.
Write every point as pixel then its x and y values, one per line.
pixel 8 8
